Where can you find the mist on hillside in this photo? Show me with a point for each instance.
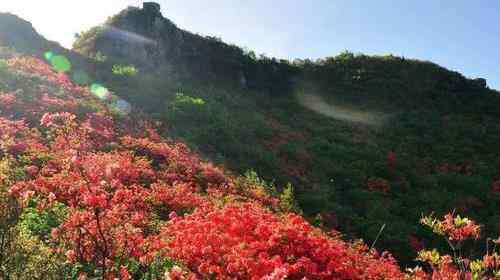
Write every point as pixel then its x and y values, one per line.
pixel 317 104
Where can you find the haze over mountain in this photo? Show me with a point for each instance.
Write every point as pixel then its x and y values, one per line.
pixel 365 141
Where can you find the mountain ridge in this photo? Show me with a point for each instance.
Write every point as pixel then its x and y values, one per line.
pixel 171 41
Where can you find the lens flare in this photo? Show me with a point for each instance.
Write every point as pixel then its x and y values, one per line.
pixel 122 106
pixel 128 36
pixel 48 55
pixel 100 91
pixel 60 63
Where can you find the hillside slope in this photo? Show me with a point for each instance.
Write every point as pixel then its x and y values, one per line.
pixel 400 137
pixel 88 190
pixel 432 147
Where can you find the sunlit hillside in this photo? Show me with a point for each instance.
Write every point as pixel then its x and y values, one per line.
pixel 364 140
pixel 150 152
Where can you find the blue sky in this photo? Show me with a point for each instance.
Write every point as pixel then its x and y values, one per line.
pixel 460 35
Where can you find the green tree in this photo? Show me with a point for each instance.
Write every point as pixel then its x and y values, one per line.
pixel 288 202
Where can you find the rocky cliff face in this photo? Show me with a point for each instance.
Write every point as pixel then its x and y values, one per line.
pixel 133 35
pixel 143 37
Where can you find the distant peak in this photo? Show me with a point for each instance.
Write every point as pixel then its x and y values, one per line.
pixel 20 35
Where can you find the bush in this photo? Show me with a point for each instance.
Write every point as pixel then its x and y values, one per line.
pixel 457 231
pixel 287 200
pixel 125 70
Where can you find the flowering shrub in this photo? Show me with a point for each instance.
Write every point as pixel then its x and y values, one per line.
pixel 37 66
pixel 102 193
pixel 495 187
pixel 447 168
pixel 457 230
pixel 378 185
pixel 392 160
pixel 246 241
pixel 17 139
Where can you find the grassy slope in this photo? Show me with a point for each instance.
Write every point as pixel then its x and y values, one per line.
pixel 436 117
pixel 90 176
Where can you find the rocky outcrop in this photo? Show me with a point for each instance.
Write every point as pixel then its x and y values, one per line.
pixel 145 38
pixel 142 37
pixel 479 83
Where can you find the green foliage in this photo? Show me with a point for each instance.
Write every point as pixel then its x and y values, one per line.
pixel 287 200
pixel 9 214
pixel 345 56
pixel 251 180
pixel 155 270
pixel 40 222
pixel 23 254
pixel 84 38
pixel 5 75
pixel 98 56
pixel 318 220
pixel 124 70
pixel 182 99
pixel 31 258
pixel 89 106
